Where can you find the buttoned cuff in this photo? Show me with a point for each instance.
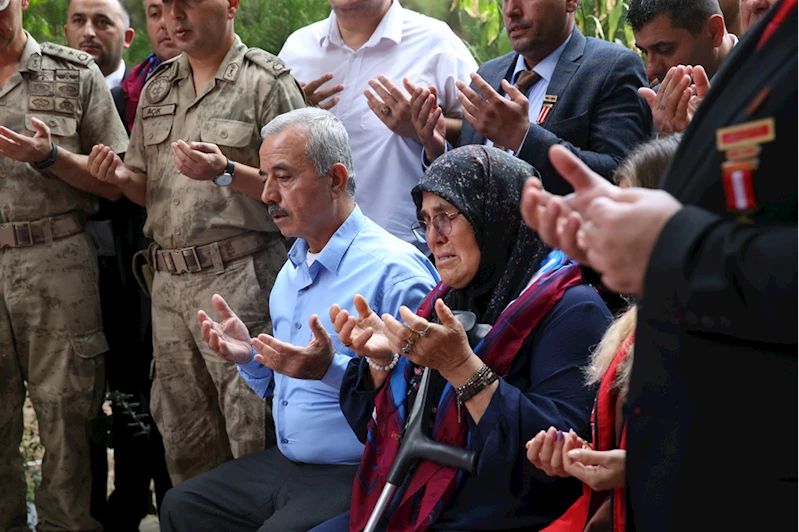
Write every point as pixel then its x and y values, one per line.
pixel 335 372
pixel 255 369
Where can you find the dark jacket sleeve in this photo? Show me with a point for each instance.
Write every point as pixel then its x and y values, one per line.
pixel 121 104
pixel 554 395
pixel 618 120
pixel 357 403
pixel 724 278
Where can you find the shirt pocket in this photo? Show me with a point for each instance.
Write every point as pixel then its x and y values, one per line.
pixel 63 128
pixel 229 133
pixel 156 130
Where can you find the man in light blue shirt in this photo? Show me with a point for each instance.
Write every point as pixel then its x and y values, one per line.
pixel 307 169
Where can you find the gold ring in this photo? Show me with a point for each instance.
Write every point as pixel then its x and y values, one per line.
pixel 385 110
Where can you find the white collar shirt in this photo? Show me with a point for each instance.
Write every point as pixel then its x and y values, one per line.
pixel 404 44
pixel 114 79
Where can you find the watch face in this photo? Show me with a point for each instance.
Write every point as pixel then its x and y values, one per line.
pixel 223 180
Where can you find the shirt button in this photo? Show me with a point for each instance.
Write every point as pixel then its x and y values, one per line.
pixel 223 134
pixel 176 201
pixel 285 440
pixel 298 325
pixel 51 123
pixel 177 231
pixel 150 136
pixel 285 403
pixel 3 102
pixel 707 322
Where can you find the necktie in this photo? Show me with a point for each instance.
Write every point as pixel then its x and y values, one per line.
pixel 527 78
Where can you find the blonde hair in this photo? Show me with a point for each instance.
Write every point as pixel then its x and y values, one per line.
pixel 646 164
pixel 643 167
pixel 613 339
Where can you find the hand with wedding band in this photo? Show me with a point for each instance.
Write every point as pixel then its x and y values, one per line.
pixel 362 335
pixel 442 347
pixel 391 105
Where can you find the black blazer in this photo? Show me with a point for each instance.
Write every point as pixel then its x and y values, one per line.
pixel 712 403
pixel 598 115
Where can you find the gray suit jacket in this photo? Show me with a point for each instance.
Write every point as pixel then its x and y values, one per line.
pixel 598 114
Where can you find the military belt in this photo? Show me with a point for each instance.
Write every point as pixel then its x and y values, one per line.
pixel 213 256
pixel 44 231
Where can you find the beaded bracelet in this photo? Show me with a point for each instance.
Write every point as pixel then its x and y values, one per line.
pixel 474 389
pixel 389 367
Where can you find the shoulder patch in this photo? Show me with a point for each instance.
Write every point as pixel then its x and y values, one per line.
pixel 267 61
pixel 77 57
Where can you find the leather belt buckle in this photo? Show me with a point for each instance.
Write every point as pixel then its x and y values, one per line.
pixel 23 237
pixel 186 260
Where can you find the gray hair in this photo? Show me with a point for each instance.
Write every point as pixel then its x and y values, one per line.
pixel 328 141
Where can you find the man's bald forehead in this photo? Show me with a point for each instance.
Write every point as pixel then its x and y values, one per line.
pixel 118 6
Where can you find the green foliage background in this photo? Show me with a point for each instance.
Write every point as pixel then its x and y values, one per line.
pixel 267 23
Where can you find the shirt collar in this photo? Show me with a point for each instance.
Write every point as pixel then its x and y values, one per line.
pixel 331 255
pixel 115 78
pixel 545 68
pixel 390 28
pixel 235 55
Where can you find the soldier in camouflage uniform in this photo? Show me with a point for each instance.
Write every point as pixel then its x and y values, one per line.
pixel 198 122
pixel 54 106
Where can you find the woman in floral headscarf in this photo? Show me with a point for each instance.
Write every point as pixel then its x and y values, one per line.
pixel 524 376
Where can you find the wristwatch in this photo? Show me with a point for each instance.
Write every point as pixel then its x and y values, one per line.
pixel 46 163
pixel 226 177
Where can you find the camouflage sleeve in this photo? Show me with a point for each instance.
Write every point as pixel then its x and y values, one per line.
pixel 136 157
pixel 284 96
pixel 100 123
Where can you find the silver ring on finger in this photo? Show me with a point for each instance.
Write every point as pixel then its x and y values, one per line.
pixel 425 332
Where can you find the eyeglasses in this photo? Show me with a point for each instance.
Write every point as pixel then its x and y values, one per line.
pixel 441 222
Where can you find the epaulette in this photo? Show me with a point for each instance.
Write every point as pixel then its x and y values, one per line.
pixel 164 66
pixel 269 62
pixel 68 54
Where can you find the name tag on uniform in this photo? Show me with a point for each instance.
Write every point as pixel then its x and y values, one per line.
pixel 158 110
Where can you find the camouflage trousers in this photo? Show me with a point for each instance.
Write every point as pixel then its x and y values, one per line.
pixel 50 338
pixel 206 412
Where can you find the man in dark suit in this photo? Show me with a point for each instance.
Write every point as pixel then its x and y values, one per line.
pixel 562 88
pixel 138 447
pixel 712 398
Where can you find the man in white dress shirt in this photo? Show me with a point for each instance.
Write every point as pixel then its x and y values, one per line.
pixel 374 44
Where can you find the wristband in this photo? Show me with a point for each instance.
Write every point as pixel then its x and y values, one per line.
pixel 49 160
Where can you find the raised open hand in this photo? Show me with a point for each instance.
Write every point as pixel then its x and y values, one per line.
pixel 363 335
pixel 309 363
pixel 229 338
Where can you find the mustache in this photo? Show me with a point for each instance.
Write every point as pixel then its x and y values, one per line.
pixel 89 42
pixel 275 209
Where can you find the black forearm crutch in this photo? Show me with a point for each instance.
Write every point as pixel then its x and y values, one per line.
pixel 415 443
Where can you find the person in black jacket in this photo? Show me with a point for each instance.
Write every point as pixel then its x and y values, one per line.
pixel 138 448
pixel 713 257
